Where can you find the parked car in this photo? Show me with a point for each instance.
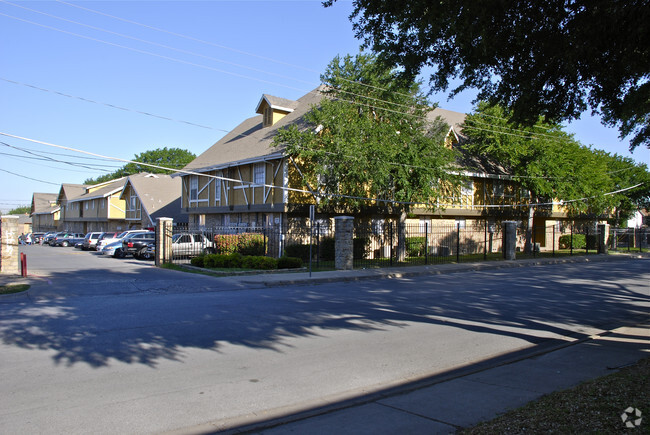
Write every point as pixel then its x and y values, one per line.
pixel 90 241
pixel 103 240
pixel 189 245
pixel 47 239
pixel 36 237
pixel 67 239
pixel 136 243
pixel 102 243
pixel 149 253
pixel 113 249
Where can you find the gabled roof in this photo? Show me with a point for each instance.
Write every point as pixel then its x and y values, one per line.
pixel 249 141
pixel 276 103
pixel 159 194
pixel 70 191
pixel 44 203
pixel 106 189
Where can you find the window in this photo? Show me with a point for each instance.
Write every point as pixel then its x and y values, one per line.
pixel 194 188
pixel 259 173
pixel 217 187
pixel 132 205
pixel 87 205
pixel 499 188
pixel 268 117
pixel 467 189
pixel 460 223
pixel 92 204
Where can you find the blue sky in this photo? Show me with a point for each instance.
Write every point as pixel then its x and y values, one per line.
pixel 208 68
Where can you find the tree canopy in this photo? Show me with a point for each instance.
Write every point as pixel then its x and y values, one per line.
pixel 370 138
pixel 23 209
pixel 554 58
pixel 552 165
pixel 175 158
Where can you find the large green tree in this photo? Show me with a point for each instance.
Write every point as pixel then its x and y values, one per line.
pixel 176 158
pixel 630 186
pixel 370 137
pixel 23 209
pixel 546 161
pixel 554 58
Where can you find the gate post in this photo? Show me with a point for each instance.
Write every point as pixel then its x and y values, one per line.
pixel 9 258
pixel 344 242
pixel 603 232
pixel 164 240
pixel 509 240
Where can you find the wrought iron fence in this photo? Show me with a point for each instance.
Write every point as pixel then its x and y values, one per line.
pixel 389 243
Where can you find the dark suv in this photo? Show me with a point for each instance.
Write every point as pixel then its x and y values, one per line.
pixel 136 243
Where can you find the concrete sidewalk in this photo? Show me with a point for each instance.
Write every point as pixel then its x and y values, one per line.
pixel 446 405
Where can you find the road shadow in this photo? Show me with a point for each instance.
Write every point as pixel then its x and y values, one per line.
pixel 149 314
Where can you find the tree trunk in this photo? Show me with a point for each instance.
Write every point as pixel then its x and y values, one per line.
pixel 401 237
pixel 528 248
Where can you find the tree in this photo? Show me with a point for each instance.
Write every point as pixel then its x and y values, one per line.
pixel 554 58
pixel 631 182
pixel 23 209
pixel 175 158
pixel 549 163
pixel 370 138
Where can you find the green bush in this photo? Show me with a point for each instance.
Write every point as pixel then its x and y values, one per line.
pixel 259 262
pixel 300 251
pixel 415 246
pixel 226 243
pixel 579 241
pixel 360 247
pixel 251 244
pixel 289 263
pixel 327 249
pixel 198 261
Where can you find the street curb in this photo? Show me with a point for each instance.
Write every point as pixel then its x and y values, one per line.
pixel 438 270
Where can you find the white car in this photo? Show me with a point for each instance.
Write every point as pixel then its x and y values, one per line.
pixel 108 240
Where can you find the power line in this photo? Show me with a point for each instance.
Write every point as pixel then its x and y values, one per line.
pixel 286 188
pixel 150 53
pixel 154 43
pixel 29 178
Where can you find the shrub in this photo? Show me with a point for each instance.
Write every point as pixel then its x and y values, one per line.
pixel 251 244
pixel 233 260
pixel 327 249
pixel 299 250
pixel 289 263
pixel 415 246
pixel 259 262
pixel 360 247
pixel 226 243
pixel 198 261
pixel 579 241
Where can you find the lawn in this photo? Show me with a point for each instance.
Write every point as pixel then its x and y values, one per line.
pixel 594 406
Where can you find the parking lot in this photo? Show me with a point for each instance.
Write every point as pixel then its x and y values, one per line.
pixel 44 260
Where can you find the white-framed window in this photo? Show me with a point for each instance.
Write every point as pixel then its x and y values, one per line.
pixel 217 187
pixel 467 188
pixel 460 223
pixel 103 203
pixel 498 188
pixel 194 188
pixel 92 204
pixel 259 173
pixel 132 205
pixel 87 205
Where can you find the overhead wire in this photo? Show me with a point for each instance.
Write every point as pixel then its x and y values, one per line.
pixel 291 189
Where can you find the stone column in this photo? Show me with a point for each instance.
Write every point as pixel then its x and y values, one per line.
pixel 10 257
pixel 164 234
pixel 509 240
pixel 603 233
pixel 344 242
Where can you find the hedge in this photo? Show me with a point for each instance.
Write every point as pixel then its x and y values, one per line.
pixel 579 241
pixel 236 260
pixel 244 243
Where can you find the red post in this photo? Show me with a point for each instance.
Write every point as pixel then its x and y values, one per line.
pixel 23 265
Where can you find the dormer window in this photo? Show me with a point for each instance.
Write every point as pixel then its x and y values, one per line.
pixel 274 109
pixel 268 117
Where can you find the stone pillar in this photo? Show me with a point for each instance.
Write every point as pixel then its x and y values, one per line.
pixel 344 242
pixel 10 257
pixel 509 240
pixel 603 233
pixel 164 227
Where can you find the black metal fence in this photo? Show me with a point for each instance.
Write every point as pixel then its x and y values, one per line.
pixel 388 243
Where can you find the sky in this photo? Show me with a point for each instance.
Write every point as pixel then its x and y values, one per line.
pixel 118 78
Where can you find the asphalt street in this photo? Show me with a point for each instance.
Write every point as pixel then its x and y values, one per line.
pixel 102 345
